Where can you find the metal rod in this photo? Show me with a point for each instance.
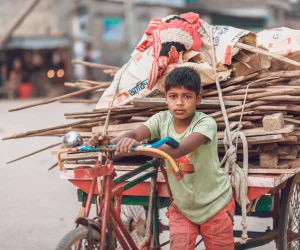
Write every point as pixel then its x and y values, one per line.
pixel 149 225
pixel 149 164
pixel 90 198
pixel 138 180
pixel 118 202
pixel 105 212
pixel 155 223
pixel 118 235
pixel 120 189
pixel 164 172
pixel 122 228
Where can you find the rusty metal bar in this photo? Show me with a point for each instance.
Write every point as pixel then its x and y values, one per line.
pixel 149 164
pixel 105 213
pixel 122 228
pixel 90 198
pixel 118 235
pixel 149 226
pixel 164 172
pixel 118 201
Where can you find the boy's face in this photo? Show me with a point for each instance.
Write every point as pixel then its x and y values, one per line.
pixel 182 102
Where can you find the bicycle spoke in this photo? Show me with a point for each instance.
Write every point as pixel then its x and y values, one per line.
pixel 293 227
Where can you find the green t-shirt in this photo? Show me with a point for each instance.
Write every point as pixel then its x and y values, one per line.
pixel 201 193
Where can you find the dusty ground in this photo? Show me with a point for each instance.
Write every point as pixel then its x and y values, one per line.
pixel 37 208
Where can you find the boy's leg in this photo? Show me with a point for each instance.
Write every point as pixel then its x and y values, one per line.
pixel 217 232
pixel 183 232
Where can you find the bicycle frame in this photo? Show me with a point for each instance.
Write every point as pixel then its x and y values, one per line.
pixel 110 213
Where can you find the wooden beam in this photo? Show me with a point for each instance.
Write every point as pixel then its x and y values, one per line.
pixel 260 131
pixel 260 139
pixel 146 102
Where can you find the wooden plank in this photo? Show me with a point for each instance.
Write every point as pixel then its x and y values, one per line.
pixel 119 127
pixel 146 102
pixel 260 139
pixel 111 134
pixel 273 171
pixel 141 119
pixel 295 121
pixel 254 180
pixel 260 131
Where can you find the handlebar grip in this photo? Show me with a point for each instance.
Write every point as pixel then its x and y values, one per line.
pixel 172 143
pixel 166 140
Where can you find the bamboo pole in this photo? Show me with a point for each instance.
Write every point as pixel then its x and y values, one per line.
pixel 93 82
pixel 81 86
pixel 58 98
pixel 238 108
pixel 94 65
pixel 79 101
pixel 259 95
pixel 29 133
pixel 35 152
pixel 53 166
pixel 282 74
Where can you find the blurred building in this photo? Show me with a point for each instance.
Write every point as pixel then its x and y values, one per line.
pixel 253 15
pixel 114 27
pixel 36 35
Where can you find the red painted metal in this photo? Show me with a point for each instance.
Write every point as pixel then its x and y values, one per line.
pixel 105 212
pixel 255 192
pixel 118 201
pixel 122 228
pixel 118 235
pixel 164 172
pixel 141 189
pixel 90 198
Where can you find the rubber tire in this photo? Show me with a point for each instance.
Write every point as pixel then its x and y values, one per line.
pixel 76 234
pixel 286 195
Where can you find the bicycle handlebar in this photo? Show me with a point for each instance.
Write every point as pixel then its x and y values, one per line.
pixel 150 148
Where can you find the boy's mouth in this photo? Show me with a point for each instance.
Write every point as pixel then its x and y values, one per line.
pixel 179 111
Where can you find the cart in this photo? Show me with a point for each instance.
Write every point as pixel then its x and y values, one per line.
pixel 274 194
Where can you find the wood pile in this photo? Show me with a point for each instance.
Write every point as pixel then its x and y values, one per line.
pixel 252 96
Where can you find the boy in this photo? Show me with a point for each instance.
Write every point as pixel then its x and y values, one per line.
pixel 203 200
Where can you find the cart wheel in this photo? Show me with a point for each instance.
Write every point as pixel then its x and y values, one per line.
pixel 134 218
pixel 80 236
pixel 289 222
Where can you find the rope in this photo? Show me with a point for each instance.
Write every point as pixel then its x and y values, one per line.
pixel 239 176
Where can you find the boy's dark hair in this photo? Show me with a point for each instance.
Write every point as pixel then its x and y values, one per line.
pixel 185 77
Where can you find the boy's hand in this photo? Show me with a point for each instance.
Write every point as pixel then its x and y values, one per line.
pixel 124 145
pixel 98 139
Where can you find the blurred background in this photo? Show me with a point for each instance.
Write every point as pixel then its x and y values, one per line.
pixel 39 38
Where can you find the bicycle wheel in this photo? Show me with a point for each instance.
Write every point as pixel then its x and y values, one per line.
pixel 80 235
pixel 134 218
pixel 289 223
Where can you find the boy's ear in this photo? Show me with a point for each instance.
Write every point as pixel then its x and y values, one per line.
pixel 199 99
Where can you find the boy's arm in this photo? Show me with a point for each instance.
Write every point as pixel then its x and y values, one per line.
pixel 131 138
pixel 186 146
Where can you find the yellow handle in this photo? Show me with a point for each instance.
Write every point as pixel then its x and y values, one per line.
pixel 60 165
pixel 160 153
pixel 150 150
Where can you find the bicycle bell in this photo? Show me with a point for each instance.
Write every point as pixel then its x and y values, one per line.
pixel 72 139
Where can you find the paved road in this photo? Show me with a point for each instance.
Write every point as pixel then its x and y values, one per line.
pixel 37 208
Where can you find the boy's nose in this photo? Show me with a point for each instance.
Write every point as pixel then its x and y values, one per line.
pixel 179 102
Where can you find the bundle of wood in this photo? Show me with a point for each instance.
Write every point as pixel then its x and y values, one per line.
pixel 251 95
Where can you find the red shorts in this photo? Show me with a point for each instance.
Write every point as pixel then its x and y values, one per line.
pixel 217 232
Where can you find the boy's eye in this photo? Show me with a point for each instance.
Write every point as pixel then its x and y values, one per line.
pixel 187 96
pixel 172 96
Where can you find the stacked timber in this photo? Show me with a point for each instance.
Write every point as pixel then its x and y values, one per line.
pixel 253 96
